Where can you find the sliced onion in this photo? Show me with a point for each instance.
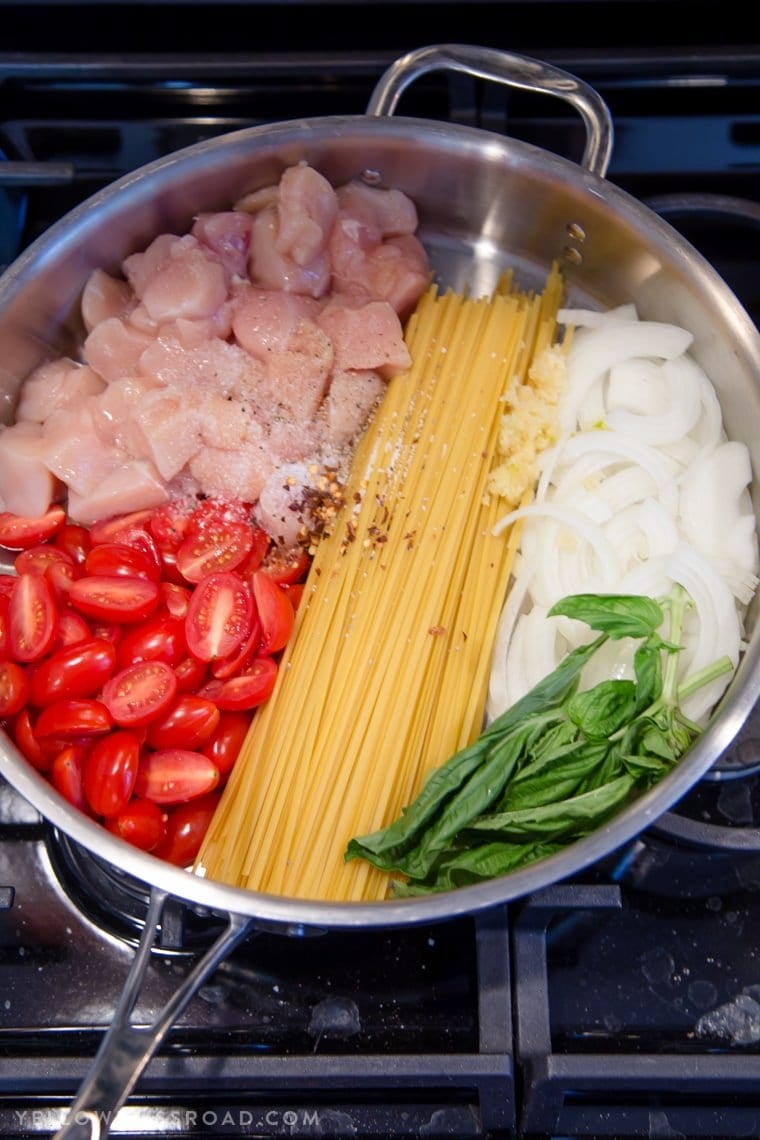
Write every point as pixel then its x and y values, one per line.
pixel 659 496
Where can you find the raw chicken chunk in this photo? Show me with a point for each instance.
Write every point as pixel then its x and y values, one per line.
pixel 234 360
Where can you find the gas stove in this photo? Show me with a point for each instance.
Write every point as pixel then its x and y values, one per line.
pixel 624 1002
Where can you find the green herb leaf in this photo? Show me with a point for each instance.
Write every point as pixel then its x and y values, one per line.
pixel 601 711
pixel 476 865
pixel 577 815
pixel 617 615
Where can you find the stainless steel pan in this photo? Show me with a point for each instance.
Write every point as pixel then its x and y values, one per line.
pixel 485 202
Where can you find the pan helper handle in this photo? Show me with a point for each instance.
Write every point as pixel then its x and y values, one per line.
pixel 126 1049
pixel 513 71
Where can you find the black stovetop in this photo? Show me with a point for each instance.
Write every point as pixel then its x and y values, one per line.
pixel 625 1002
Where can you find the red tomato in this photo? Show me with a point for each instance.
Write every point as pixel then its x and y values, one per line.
pixel 294 590
pixel 7 582
pixel 286 564
pixel 175 775
pixel 27 743
pixel 32 618
pixel 19 533
pixel 246 690
pixel 121 528
pixel 219 617
pixel 189 723
pixel 215 514
pixel 186 826
pixel 275 611
pixel 118 599
pixel 5 605
pixel 67 774
pixel 107 631
pixel 119 560
pixel 14 688
pixel 169 525
pixel 75 541
pixel 176 598
pixel 141 823
pixel 72 628
pixel 110 771
pixel 191 674
pixel 224 746
pixel 160 638
pixel 37 559
pixel 74 671
pixel 239 660
pixel 140 693
pixel 70 719
pixel 215 548
pixel 260 543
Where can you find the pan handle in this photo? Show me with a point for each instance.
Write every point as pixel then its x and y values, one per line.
pixel 513 71
pixel 126 1049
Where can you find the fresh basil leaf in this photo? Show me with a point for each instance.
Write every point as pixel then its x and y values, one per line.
pixel 646 769
pixel 478 794
pixel 553 777
pixel 647 664
pixel 601 711
pixel 573 817
pixel 617 615
pixel 475 865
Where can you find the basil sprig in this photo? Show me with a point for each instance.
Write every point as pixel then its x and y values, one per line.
pixel 555 765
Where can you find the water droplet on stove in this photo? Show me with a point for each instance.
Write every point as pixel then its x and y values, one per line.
pixel 214 995
pixel 735 802
pixel 657 966
pixel 659 1125
pixel 335 1016
pixel 702 994
pixel 714 903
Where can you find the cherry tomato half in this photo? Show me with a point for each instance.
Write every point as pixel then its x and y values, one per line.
pixel 186 826
pixel 121 528
pixel 189 723
pixel 18 532
pixel 78 670
pixel 160 638
pixel 140 822
pixel 140 693
pixel 224 746
pixel 286 564
pixel 245 691
pixel 27 743
pixel 67 774
pixel 219 617
pixel 74 540
pixel 175 775
pixel 223 547
pixel 32 618
pixel 70 719
pixel 14 688
pixel 119 560
pixel 110 770
pixel 275 610
pixel 119 599
pixel 72 627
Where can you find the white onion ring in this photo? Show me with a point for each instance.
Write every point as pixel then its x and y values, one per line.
pixel 658 496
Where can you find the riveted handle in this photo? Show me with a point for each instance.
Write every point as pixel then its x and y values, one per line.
pixel 512 70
